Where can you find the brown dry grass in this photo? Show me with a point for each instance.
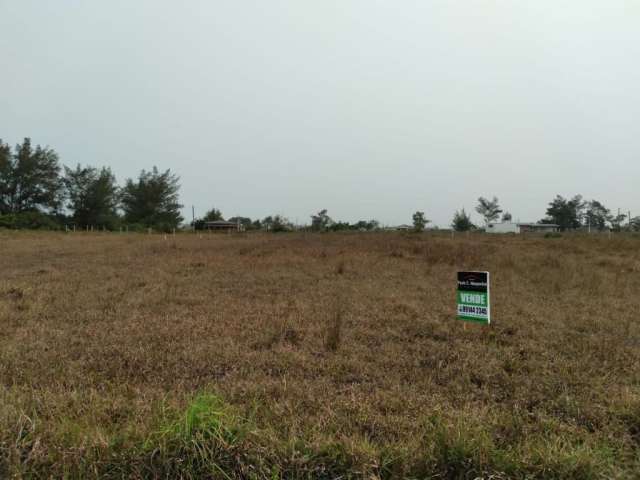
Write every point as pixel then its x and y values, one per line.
pixel 316 356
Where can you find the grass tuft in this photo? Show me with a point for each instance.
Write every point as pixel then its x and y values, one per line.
pixel 333 329
pixel 205 440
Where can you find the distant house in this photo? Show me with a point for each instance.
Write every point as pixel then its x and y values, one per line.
pixel 223 226
pixel 398 228
pixel 518 227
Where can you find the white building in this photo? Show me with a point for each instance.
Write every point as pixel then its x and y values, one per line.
pixel 519 227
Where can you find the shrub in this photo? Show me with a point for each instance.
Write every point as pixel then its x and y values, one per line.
pixel 30 220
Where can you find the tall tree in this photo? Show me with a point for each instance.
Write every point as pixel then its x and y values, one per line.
pixel 617 221
pixel 489 209
pixel 6 169
pixel 213 215
pixel 152 200
pixel 321 221
pixel 567 214
pixel 92 195
pixel 597 215
pixel 419 222
pixel 29 179
pixel 462 222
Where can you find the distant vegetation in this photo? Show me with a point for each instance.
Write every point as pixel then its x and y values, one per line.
pixel 419 222
pixel 489 209
pixel 37 192
pixel 462 222
pixel 34 193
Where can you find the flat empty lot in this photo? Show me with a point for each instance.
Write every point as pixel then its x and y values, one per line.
pixel 317 355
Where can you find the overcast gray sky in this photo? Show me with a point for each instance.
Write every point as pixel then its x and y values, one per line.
pixel 370 109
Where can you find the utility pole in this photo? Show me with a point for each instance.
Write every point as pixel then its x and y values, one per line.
pixel 193 218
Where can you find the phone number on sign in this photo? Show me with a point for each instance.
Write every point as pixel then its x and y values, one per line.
pixel 466 309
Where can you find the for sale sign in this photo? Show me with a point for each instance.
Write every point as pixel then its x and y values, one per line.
pixel 473 297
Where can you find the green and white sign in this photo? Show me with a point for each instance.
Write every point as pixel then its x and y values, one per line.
pixel 473 297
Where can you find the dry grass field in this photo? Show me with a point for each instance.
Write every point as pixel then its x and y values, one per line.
pixel 316 356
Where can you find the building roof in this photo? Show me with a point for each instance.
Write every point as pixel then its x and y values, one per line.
pixel 220 223
pixel 522 224
pixel 525 224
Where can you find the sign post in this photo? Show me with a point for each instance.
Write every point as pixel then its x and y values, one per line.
pixel 473 297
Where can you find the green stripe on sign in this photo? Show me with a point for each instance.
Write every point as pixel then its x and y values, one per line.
pixel 472 298
pixel 474 319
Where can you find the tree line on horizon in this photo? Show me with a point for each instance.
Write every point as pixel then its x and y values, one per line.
pixel 37 192
pixel 568 214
